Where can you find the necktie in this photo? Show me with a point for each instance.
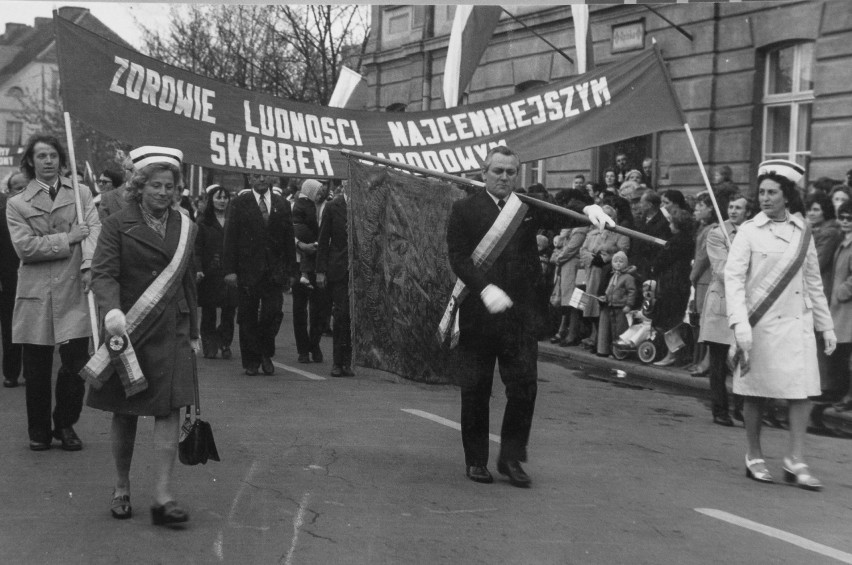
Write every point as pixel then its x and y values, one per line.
pixel 263 209
pixel 52 192
pixel 501 203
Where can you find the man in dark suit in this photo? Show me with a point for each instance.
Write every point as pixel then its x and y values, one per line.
pixel 653 222
pixel 9 263
pixel 333 272
pixel 258 257
pixel 498 319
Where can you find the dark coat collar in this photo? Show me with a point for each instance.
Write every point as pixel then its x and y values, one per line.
pixel 133 224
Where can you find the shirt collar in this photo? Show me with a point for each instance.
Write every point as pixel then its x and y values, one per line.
pixel 47 187
pixel 761 219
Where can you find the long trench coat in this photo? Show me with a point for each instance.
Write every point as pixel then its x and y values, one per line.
pixel 714 315
pixel 50 306
pixel 129 257
pixel 567 258
pixel 840 292
pixel 783 356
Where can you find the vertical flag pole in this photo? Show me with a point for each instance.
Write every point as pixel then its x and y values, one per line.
pixel 81 220
pixel 707 182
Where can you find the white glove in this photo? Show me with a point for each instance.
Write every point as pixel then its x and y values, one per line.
pixel 115 323
pixel 830 341
pixel 742 332
pixel 598 217
pixel 495 299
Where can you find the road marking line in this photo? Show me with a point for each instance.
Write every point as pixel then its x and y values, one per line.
pixel 297 524
pixel 443 421
pixel 311 376
pixel 246 481
pixel 804 543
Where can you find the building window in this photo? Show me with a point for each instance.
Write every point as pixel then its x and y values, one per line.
pixel 788 97
pixel 396 107
pixel 14 133
pixel 532 171
pixel 15 92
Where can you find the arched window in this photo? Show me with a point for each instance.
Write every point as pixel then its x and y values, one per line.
pixel 396 107
pixel 788 98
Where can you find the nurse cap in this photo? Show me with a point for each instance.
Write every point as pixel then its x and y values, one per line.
pixel 150 154
pixel 783 168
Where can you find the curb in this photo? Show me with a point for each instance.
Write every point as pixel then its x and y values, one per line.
pixel 638 373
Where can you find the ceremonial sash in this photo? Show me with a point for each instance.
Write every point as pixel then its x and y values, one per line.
pixel 117 352
pixel 489 248
pixel 770 287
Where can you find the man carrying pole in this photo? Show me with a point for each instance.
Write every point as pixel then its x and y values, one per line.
pixel 55 248
pixel 492 250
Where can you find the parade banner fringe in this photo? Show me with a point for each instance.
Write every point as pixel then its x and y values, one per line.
pixel 143 101
pixel 400 274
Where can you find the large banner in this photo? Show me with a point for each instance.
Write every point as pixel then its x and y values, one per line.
pixel 141 100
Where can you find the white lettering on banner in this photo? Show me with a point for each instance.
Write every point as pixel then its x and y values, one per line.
pixel 279 123
pixel 235 150
pixel 147 85
pixel 455 160
pixel 535 110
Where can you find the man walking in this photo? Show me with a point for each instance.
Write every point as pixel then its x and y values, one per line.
pixel 498 319
pixel 51 309
pixel 258 257
pixel 333 273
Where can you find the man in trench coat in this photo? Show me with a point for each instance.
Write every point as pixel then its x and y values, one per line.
pixel 51 307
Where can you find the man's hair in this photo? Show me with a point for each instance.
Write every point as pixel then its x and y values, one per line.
pixel 502 150
pixel 9 181
pixel 27 166
pixel 652 198
pixel 115 176
pixel 682 220
pixel 580 177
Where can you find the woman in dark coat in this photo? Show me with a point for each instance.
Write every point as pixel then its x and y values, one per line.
pixel 134 255
pixel 213 294
pixel 671 270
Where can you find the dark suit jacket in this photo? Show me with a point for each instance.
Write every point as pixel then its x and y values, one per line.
pixel 333 252
pixel 8 258
pixel 306 230
pixel 644 253
pixel 253 248
pixel 515 270
pixel 112 201
pixel 208 260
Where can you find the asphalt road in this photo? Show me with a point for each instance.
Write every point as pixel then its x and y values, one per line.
pixel 319 470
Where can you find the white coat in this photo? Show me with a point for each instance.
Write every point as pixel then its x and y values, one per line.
pixel 50 307
pixel 783 357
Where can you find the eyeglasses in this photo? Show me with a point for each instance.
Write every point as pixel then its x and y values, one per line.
pixel 844 218
pixel 104 181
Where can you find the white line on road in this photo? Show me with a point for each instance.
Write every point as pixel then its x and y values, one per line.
pixel 804 543
pixel 297 524
pixel 443 421
pixel 311 376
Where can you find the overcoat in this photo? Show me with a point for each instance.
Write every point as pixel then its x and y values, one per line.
pixel 783 356
pixel 840 292
pixel 827 236
pixel 607 244
pixel 212 291
pixel 671 271
pixel 701 273
pixel 129 257
pixel 50 306
pixel 714 316
pixel 113 201
pixel 333 250
pixel 568 260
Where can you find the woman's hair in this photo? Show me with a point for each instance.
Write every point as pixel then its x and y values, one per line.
pixel 845 208
pixel 788 188
pixel 536 188
pixel 704 198
pixel 676 197
pixel 824 203
pixel 840 188
pixel 597 187
pixel 566 195
pixel 608 170
pixel 682 220
pixel 141 176
pixel 209 216
pixel 725 172
pixel 27 165
pixel 634 173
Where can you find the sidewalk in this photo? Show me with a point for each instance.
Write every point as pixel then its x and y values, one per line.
pixel 638 373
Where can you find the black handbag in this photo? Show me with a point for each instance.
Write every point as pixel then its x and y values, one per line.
pixel 196 443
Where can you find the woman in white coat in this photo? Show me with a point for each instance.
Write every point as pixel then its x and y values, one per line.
pixel 775 301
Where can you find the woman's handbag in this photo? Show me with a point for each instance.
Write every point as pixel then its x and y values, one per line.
pixel 196 443
pixel 556 293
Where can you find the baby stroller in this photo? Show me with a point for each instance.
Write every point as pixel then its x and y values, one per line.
pixel 641 337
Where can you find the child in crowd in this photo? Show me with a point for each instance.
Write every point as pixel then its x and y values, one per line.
pixel 617 301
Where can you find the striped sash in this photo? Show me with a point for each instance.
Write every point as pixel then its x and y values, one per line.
pixel 117 352
pixel 486 252
pixel 770 287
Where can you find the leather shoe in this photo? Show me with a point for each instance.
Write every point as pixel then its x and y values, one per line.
pixel 39 445
pixel 316 355
pixel 304 358
pixel 168 513
pixel 10 383
pixel 251 371
pixel 347 371
pixel 515 472
pixel 69 439
pixel 479 474
pixel 723 420
pixel 337 371
pixel 267 366
pixel 226 353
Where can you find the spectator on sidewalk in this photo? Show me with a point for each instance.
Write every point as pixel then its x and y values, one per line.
pixel 653 223
pixel 840 303
pixel 9 264
pixel 618 300
pixel 701 273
